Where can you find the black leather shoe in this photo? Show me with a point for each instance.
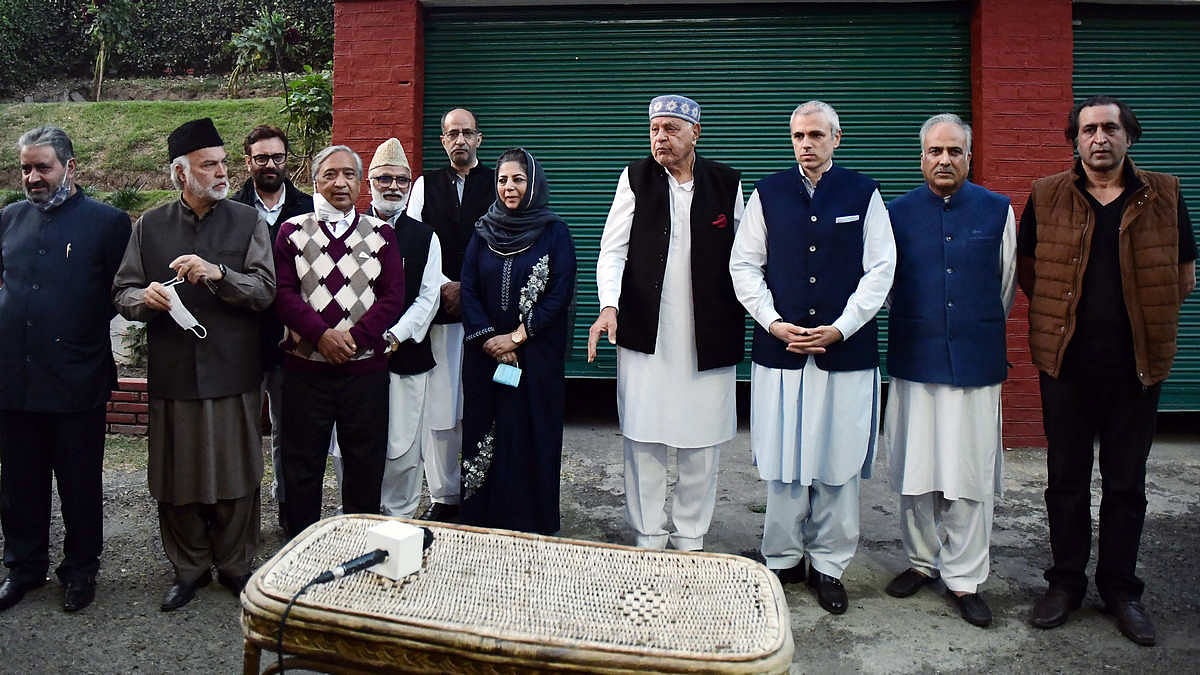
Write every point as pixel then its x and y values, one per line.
pixel 232 582
pixel 908 582
pixel 831 595
pixel 12 590
pixel 974 609
pixel 1133 621
pixel 78 593
pixel 1053 608
pixel 443 513
pixel 791 575
pixel 181 592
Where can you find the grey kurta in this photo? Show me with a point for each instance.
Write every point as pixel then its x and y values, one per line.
pixel 204 449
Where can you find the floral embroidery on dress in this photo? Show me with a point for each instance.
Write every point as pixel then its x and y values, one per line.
pixel 475 469
pixel 534 287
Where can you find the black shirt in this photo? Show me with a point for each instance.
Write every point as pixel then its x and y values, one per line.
pixel 1103 339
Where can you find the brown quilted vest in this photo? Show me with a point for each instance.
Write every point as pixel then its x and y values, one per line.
pixel 1148 246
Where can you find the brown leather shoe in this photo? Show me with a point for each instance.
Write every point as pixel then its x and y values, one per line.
pixel 1053 608
pixel 1133 621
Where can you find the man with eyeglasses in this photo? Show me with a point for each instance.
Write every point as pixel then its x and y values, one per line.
pixel 410 356
pixel 450 200
pixel 269 190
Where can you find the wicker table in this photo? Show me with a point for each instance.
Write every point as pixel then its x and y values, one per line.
pixel 493 601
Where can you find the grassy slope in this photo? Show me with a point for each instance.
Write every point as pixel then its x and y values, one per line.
pixel 121 142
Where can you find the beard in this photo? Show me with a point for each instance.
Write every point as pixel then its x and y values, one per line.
pixel 269 180
pixel 209 192
pixel 388 207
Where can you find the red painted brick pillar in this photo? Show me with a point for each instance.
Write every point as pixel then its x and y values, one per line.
pixel 1021 94
pixel 378 77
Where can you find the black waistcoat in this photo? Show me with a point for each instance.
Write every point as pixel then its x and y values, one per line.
pixel 720 339
pixel 454 222
pixel 226 362
pixel 412 238
pixel 295 203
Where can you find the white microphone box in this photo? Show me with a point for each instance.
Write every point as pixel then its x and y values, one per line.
pixel 402 542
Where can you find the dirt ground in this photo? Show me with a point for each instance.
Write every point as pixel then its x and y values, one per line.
pixel 124 631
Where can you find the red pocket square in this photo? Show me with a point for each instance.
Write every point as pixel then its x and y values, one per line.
pixel 720 222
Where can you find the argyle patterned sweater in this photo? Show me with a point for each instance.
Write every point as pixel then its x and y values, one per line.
pixel 354 282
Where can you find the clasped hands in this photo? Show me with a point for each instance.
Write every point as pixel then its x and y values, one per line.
pixel 191 267
pixel 502 348
pixel 801 340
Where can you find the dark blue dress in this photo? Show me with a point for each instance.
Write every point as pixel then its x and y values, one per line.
pixel 512 438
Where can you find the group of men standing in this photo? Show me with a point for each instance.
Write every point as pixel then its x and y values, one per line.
pixel 815 256
pixel 345 319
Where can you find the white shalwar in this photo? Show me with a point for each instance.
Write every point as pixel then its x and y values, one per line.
pixel 409 408
pixel 663 401
pixel 945 454
pixel 812 431
pixel 443 440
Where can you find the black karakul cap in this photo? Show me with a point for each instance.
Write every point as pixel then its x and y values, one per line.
pixel 191 136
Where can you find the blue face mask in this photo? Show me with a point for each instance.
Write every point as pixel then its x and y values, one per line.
pixel 507 375
pixel 60 195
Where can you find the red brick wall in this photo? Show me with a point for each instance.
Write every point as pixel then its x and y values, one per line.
pixel 128 412
pixel 378 77
pixel 1021 60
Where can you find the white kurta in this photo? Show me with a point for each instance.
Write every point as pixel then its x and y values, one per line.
pixel 662 397
pixel 943 438
pixel 811 425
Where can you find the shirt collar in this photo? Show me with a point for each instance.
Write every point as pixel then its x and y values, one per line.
pixel 808 184
pixel 269 209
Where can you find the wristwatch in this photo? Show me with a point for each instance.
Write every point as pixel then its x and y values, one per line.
pixel 224 271
pixel 516 337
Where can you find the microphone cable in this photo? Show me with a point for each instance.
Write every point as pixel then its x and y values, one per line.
pixel 347 568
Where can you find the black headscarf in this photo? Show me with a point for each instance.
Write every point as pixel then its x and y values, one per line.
pixel 508 231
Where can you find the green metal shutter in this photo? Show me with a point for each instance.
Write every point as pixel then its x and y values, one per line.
pixel 1150 58
pixel 572 86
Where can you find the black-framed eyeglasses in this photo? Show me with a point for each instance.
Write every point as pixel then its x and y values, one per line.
pixel 469 134
pixel 263 160
pixel 384 181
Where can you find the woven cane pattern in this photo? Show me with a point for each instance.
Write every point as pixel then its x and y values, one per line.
pixel 548 591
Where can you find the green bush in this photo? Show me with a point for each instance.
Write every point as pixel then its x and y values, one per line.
pixel 48 39
pixel 40 40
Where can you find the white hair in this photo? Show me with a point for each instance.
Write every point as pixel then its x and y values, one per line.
pixel 324 155
pixel 182 162
pixel 815 106
pixel 945 118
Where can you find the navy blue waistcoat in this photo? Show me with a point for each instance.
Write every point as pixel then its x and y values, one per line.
pixel 814 263
pixel 946 321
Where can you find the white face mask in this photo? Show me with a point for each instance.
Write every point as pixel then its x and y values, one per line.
pixel 182 316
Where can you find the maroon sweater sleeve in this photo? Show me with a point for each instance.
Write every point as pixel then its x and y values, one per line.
pixel 389 297
pixel 291 308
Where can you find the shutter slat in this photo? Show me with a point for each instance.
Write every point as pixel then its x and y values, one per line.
pixel 572 86
pixel 1150 58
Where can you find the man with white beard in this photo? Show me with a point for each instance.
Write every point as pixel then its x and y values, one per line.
pixel 411 358
pixel 197 271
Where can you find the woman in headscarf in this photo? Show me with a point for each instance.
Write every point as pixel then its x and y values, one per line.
pixel 518 281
